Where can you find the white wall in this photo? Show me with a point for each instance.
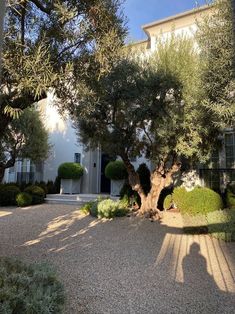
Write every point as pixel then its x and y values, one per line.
pixel 62 137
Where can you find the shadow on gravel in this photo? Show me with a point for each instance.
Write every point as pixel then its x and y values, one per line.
pixel 125 265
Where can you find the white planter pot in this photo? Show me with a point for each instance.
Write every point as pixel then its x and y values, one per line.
pixel 70 186
pixel 116 186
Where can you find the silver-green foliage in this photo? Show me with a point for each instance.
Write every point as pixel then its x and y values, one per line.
pixel 109 209
pixel 216 41
pixel 27 289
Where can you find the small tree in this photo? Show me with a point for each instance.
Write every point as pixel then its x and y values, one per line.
pixel 26 137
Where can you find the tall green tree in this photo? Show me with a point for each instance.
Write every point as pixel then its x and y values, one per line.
pixel 147 106
pixel 41 39
pixel 216 41
pixel 25 137
pixel 2 15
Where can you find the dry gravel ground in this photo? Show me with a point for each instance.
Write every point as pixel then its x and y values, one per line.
pixel 126 265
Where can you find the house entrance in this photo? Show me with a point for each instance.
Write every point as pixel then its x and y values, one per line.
pixel 105 182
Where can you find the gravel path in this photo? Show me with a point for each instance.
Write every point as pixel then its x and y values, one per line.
pixel 126 265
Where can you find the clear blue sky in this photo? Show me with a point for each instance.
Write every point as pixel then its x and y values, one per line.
pixel 140 12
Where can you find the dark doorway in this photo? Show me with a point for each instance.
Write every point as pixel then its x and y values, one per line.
pixel 105 182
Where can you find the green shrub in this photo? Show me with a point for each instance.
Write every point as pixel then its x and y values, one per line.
pixel 180 196
pixel 128 194
pixel 57 184
pixel 230 199
pixel 23 199
pixel 198 201
pixel 37 194
pixel 42 185
pixel 70 170
pixel 167 202
pixel 24 185
pixel 144 175
pixel 221 224
pixel 29 289
pixel 94 209
pixel 126 191
pixel 109 209
pixel 51 187
pixel 116 170
pixel 86 208
pixel 8 195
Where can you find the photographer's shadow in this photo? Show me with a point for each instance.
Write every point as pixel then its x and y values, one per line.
pixel 203 294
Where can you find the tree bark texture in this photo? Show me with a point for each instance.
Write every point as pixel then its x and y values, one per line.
pixel 160 179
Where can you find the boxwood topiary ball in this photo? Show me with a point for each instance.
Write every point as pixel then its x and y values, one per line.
pixel 70 170
pixel 116 170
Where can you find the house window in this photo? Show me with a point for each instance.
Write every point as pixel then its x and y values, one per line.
pixel 230 150
pixel 77 157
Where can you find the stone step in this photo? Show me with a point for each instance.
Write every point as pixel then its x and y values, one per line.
pixel 74 199
pixel 64 201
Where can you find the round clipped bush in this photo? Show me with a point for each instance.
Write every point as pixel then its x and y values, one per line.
pixel 179 197
pixel 37 193
pixel 24 199
pixel 198 201
pixel 29 288
pixel 109 209
pixel 70 170
pixel 8 195
pixel 167 202
pixel 115 170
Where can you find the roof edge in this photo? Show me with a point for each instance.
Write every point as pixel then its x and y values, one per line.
pixel 177 16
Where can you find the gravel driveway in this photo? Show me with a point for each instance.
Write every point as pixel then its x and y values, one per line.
pixel 126 265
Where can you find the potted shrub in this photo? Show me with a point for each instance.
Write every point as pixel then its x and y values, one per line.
pixel 116 172
pixel 70 174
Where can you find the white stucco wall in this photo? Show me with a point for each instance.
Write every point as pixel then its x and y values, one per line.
pixel 62 138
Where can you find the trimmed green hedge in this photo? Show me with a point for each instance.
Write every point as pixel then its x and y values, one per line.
pixel 198 201
pixel 70 170
pixel 8 195
pixel 24 199
pixel 37 193
pixel 26 289
pixel 221 224
pixel 115 170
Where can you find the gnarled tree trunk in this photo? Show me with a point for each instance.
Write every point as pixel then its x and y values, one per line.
pixel 160 178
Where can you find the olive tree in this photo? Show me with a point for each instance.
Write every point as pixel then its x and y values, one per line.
pixel 146 106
